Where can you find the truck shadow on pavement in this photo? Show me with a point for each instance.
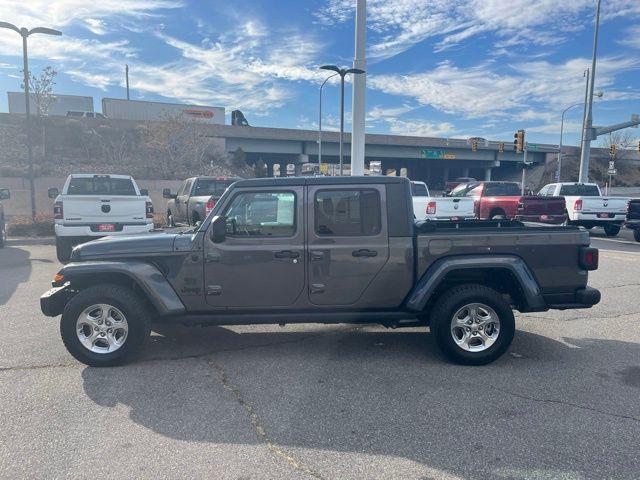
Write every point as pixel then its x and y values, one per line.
pixel 389 396
pixel 15 268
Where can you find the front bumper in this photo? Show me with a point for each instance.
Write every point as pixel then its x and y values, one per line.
pixel 52 302
pixel 550 219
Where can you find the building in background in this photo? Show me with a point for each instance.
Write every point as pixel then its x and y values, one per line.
pixel 119 109
pixel 60 105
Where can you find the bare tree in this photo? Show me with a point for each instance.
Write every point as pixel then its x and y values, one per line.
pixel 177 145
pixel 42 89
pixel 624 140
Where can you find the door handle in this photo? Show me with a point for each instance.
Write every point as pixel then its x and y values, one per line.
pixel 212 257
pixel 286 254
pixel 317 256
pixel 363 252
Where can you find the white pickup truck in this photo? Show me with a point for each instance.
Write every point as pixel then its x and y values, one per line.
pixel 94 206
pixel 586 206
pixel 426 207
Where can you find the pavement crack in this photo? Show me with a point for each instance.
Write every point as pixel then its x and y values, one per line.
pixel 257 424
pixel 565 403
pixel 620 286
pixel 26 368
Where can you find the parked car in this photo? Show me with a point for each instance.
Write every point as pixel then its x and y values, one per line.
pixel 94 206
pixel 504 200
pixel 4 195
pixel 586 206
pixel 326 250
pixel 633 218
pixel 194 199
pixel 426 207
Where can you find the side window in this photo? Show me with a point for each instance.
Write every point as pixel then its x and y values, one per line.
pixel 544 191
pixel 186 188
pixel 262 214
pixel 347 212
pixel 552 190
pixel 181 188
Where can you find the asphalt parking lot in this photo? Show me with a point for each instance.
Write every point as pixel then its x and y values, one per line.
pixel 325 401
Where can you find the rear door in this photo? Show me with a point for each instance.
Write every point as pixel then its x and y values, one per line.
pixel 261 261
pixel 348 241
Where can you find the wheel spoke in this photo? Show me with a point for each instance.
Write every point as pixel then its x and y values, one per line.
pixel 102 328
pixel 475 327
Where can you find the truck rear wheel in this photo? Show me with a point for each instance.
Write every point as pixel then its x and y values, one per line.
pixel 472 324
pixel 63 249
pixel 636 234
pixel 611 230
pixel 104 325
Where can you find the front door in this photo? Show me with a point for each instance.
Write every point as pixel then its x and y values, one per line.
pixel 348 242
pixel 261 261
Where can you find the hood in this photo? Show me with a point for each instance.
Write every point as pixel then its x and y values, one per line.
pixel 115 246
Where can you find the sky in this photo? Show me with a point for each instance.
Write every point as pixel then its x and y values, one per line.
pixel 446 68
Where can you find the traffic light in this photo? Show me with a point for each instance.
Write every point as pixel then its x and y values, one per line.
pixel 501 147
pixel 474 145
pixel 518 143
pixel 612 150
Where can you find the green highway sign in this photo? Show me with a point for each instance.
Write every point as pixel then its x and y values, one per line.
pixel 438 154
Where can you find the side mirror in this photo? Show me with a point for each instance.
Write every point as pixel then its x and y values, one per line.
pixel 218 229
pixel 53 192
pixel 5 194
pixel 144 192
pixel 166 193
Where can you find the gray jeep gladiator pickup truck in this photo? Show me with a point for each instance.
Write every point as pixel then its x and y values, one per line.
pixel 323 250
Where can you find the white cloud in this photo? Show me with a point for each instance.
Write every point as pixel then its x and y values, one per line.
pixel 420 128
pixel 397 25
pixel 95 26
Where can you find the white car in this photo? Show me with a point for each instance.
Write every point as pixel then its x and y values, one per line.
pixel 94 206
pixel 586 206
pixel 426 207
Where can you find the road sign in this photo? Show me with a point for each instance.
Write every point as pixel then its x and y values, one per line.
pixel 438 154
pixel 612 171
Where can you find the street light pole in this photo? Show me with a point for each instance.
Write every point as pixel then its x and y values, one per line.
pixel 587 125
pixel 342 72
pixel 24 33
pixel 320 120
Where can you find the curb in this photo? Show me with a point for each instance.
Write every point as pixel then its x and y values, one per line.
pixel 19 241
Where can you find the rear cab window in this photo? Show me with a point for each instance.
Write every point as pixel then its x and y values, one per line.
pixel 348 213
pixel 580 190
pixel 502 190
pixel 101 186
pixel 419 189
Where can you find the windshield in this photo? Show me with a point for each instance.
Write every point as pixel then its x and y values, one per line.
pixel 101 186
pixel 502 190
pixel 212 186
pixel 580 190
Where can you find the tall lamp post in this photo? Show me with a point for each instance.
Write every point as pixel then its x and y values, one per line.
pixel 342 72
pixel 24 33
pixel 559 169
pixel 320 120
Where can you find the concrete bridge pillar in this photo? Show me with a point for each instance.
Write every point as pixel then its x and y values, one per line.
pixel 269 169
pixel 487 174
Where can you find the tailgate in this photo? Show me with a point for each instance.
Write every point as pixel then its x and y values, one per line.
pixel 83 209
pixel 543 205
pixel 455 207
pixel 604 205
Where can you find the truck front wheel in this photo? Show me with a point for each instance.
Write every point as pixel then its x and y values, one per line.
pixel 63 249
pixel 472 324
pixel 104 325
pixel 636 234
pixel 611 230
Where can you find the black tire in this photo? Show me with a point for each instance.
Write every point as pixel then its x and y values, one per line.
pixel 498 215
pixel 124 299
pixel 195 219
pixel 63 249
pixel 3 234
pixel 450 303
pixel 611 230
pixel 636 234
pixel 170 222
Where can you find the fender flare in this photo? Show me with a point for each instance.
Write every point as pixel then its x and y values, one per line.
pixel 146 275
pixel 423 291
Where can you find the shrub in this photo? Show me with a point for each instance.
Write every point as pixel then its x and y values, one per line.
pixel 23 226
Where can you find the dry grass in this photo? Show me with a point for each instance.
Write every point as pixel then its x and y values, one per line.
pixel 23 226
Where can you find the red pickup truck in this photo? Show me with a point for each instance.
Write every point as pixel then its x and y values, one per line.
pixel 496 200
